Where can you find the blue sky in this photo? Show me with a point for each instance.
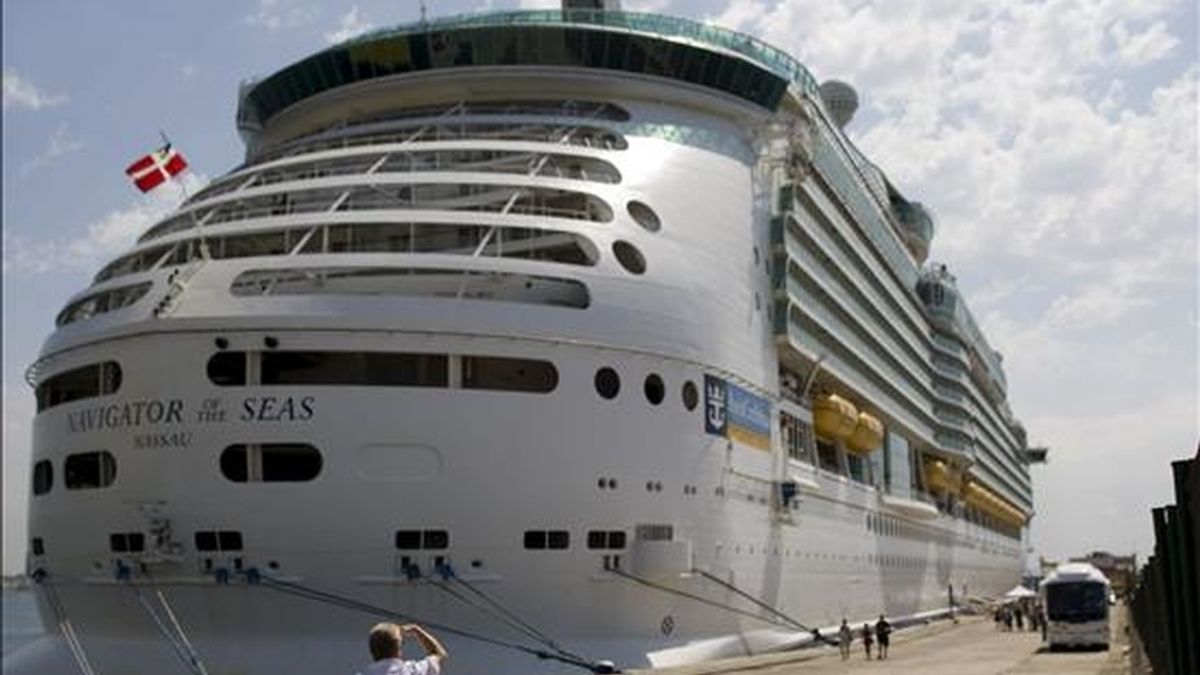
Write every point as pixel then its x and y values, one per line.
pixel 1055 140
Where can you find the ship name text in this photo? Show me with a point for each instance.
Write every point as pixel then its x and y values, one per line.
pixel 277 409
pixel 128 414
pixel 155 412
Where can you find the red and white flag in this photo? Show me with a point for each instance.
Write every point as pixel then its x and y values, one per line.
pixel 156 168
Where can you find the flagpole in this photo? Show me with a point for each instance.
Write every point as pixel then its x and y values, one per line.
pixel 204 253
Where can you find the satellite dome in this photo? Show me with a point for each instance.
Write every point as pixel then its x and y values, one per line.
pixel 840 100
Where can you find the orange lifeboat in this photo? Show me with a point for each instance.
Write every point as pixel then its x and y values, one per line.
pixel 987 501
pixel 867 435
pixel 834 417
pixel 939 476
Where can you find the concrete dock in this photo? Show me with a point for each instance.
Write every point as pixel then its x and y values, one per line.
pixel 972 647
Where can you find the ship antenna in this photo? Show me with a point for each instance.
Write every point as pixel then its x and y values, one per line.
pixel 423 12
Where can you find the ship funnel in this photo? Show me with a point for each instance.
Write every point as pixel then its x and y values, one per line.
pixel 604 5
pixel 840 100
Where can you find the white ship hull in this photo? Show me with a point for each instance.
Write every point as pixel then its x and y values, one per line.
pixel 481 470
pixel 628 525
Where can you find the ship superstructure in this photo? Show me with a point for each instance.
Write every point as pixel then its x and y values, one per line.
pixel 593 312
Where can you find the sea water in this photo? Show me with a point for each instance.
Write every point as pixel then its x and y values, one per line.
pixel 21 622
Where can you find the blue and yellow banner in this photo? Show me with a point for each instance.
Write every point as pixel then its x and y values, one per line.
pixel 734 413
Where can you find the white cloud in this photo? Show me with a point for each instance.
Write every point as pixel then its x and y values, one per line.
pixel 103 238
pixel 1144 47
pixel 21 93
pixel 60 144
pixel 275 14
pixel 350 24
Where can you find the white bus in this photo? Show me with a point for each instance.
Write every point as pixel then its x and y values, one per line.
pixel 1075 600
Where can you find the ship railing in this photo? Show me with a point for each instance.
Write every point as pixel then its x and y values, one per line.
pixel 515 162
pixel 947 371
pixel 372 197
pixel 776 60
pixel 499 131
pixel 589 110
pixel 948 345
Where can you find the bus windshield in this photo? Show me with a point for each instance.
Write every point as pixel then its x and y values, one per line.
pixel 1077 602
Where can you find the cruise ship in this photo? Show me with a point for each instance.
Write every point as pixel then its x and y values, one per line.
pixel 585 338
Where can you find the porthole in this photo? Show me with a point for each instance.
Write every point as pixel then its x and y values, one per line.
pixel 630 258
pixel 690 396
pixel 608 383
pixel 654 389
pixel 644 216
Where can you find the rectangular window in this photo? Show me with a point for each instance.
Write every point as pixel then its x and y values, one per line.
pixel 263 244
pixel 89 381
pixel 857 467
pixel 430 540
pixel 127 542
pixel 915 462
pixel 507 374
pixel 606 539
pixel 270 462
pixel 538 540
pixel 37 546
pixel 289 462
pixel 558 539
pixel 43 477
pixel 899 467
pixel 435 540
pixel 89 470
pixel 828 456
pixel 206 541
pixel 219 541
pixel 408 540
pixel 355 368
pixel 229 541
pixel 796 436
pixel 655 532
pixel 597 539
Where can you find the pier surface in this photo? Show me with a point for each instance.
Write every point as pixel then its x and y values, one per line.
pixel 971 647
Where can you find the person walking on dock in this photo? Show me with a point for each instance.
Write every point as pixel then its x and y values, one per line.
pixel 844 638
pixel 883 631
pixel 868 639
pixel 384 642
